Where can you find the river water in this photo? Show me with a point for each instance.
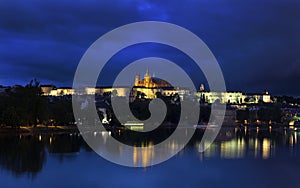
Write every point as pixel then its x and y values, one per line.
pixel 239 157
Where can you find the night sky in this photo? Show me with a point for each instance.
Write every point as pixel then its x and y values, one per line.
pixel 256 42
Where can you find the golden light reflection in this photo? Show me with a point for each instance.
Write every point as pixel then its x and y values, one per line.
pixel 135 157
pixel 143 155
pixel 256 148
pixel 105 135
pixel 211 151
pixel 266 146
pixel 236 130
pixel 240 147
pixel 233 149
pixel 245 129
pixel 50 140
pixel 173 145
pixel 292 141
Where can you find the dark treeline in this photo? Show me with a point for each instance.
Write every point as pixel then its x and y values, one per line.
pixel 25 106
pixel 286 100
pixel 264 114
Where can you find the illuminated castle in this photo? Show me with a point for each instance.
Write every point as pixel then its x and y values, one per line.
pixel 150 86
pixel 150 82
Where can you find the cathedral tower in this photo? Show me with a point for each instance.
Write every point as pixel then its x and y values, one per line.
pixel 147 78
pixel 137 80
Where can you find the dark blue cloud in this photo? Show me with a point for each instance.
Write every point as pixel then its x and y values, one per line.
pixel 256 42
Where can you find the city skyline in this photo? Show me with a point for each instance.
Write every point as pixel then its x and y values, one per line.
pixel 149 81
pixel 256 50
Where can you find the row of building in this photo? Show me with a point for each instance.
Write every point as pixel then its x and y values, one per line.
pixel 149 87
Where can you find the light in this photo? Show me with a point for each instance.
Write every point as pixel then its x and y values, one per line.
pixel 234 149
pixel 143 155
pixel 256 147
pixel 136 128
pixel 292 140
pixel 266 146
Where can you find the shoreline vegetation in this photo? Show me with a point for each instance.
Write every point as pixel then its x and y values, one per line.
pixel 25 110
pixel 40 129
pixel 43 129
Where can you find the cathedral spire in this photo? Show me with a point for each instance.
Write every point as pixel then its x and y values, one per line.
pixel 137 79
pixel 147 72
pixel 147 79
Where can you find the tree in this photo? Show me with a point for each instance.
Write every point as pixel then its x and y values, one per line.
pixel 205 112
pixel 23 106
pixel 270 113
pixel 10 117
pixel 242 115
pixel 34 103
pixel 61 112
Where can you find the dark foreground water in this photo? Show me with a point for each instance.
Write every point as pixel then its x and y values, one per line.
pixel 240 157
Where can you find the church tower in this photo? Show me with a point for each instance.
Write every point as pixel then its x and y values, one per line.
pixel 137 80
pixel 147 78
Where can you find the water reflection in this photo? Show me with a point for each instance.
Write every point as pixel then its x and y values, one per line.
pixel 233 149
pixel 22 154
pixel 26 154
pixel 254 143
pixel 143 155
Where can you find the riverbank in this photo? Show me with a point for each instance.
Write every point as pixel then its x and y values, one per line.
pixel 40 129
